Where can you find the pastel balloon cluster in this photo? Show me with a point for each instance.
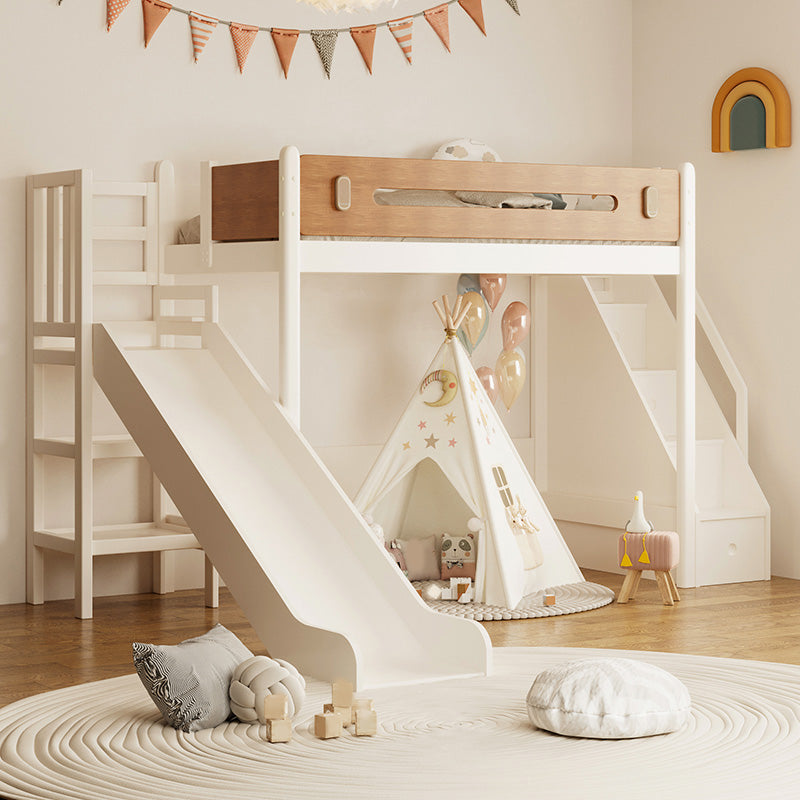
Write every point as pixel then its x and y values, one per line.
pixel 508 376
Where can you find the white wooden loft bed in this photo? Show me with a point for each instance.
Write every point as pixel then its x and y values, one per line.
pixel 316 214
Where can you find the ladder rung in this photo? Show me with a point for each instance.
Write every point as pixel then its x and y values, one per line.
pixel 123 278
pixel 62 329
pixel 54 356
pixel 120 189
pixel 120 233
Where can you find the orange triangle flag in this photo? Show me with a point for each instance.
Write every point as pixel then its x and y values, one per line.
pixel 364 37
pixel 243 37
pixel 154 13
pixel 285 42
pixel 402 30
pixel 202 28
pixel 113 9
pixel 475 11
pixel 438 19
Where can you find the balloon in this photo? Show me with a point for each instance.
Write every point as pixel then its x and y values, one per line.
pixel 510 369
pixel 493 287
pixel 515 324
pixel 468 283
pixel 477 320
pixel 489 381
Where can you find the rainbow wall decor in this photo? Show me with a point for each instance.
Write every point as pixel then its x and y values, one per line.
pixel 752 110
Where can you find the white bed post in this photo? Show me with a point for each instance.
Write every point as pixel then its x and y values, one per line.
pixel 289 290
pixel 686 293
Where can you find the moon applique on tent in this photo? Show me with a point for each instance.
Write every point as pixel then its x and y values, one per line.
pixel 449 386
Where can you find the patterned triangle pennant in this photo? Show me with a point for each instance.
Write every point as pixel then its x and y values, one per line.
pixel 439 20
pixel 113 9
pixel 475 10
pixel 513 4
pixel 285 40
pixel 202 28
pixel 243 37
pixel 364 37
pixel 402 30
pixel 154 13
pixel 325 42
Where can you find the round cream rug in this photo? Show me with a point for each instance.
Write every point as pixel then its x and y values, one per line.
pixel 467 738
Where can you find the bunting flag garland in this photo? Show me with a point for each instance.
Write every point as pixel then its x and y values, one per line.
pixel 438 18
pixel 285 41
pixel 364 37
pixel 243 37
pixel 154 13
pixel 113 9
pixel 202 28
pixel 402 30
pixel 325 42
pixel 475 11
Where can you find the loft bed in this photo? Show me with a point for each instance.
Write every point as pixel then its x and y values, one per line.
pixel 326 214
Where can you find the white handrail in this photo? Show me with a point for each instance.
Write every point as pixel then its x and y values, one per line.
pixel 731 372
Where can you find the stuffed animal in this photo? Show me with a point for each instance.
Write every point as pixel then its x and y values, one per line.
pixel 458 556
pixel 525 535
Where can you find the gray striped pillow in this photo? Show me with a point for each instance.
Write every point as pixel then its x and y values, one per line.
pixel 189 681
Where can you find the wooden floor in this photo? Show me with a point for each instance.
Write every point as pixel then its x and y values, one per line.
pixel 45 647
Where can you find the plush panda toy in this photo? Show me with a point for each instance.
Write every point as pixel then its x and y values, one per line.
pixel 458 556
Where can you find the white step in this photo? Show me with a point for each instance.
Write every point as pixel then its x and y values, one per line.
pixel 658 388
pixel 732 549
pixel 709 471
pixel 627 324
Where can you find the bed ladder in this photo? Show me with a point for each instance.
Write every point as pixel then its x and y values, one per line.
pixel 66 269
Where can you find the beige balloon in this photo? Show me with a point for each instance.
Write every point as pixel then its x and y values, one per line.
pixel 511 372
pixel 449 386
pixel 475 322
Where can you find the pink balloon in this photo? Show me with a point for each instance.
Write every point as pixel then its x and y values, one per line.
pixel 515 325
pixel 493 287
pixel 489 381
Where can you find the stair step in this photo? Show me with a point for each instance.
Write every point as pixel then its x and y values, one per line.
pixel 657 386
pixel 709 514
pixel 627 324
pixel 709 469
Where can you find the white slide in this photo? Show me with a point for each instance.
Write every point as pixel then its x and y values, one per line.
pixel 305 569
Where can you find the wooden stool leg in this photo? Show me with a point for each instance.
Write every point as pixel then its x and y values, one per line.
pixel 629 586
pixel 663 585
pixel 672 587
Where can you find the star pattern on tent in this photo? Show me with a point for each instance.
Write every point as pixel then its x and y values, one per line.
pixel 422 424
pixel 406 445
pixel 473 386
pixel 431 442
pixel 452 443
pixel 450 419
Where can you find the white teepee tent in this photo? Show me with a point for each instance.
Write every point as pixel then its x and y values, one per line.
pixel 450 459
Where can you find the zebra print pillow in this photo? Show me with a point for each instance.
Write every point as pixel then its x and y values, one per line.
pixel 189 681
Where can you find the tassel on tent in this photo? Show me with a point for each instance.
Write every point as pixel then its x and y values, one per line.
pixel 325 42
pixel 438 19
pixel 154 12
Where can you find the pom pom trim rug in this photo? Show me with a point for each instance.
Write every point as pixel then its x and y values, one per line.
pixel 467 737
pixel 570 599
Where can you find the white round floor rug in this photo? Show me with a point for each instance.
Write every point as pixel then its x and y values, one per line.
pixel 570 599
pixel 465 738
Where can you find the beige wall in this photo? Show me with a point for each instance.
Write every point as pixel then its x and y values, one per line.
pixel 747 210
pixel 553 85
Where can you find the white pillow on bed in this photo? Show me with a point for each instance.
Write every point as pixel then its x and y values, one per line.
pixel 608 698
pixel 466 150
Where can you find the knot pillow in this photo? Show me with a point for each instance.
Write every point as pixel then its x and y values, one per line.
pixel 259 676
pixel 608 698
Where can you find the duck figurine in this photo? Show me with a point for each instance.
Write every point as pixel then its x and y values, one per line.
pixel 637 524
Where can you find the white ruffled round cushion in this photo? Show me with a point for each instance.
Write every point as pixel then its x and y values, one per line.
pixel 608 698
pixel 259 676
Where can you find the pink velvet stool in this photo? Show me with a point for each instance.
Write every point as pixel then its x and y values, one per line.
pixel 658 551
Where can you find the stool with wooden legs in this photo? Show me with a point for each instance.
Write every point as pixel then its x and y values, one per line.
pixel 658 551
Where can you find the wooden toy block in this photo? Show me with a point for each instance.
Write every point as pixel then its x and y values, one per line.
pixel 363 703
pixel 342 694
pixel 327 725
pixel 366 722
pixel 276 706
pixel 549 599
pixel 279 730
pixel 345 713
